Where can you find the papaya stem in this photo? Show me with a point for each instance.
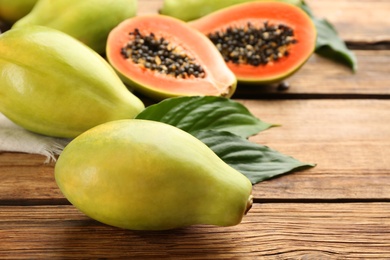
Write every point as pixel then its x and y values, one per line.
pixel 249 204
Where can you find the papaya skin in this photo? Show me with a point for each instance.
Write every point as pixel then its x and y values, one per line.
pixel 219 80
pixel 89 21
pixel 194 9
pixel 52 84
pixel 146 175
pixel 13 10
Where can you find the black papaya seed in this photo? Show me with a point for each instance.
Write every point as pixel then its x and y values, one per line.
pixel 269 41
pixel 158 54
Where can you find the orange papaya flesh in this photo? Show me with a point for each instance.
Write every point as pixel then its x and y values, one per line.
pixel 281 39
pixel 175 59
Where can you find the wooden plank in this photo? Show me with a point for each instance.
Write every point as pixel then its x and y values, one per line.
pixel 282 231
pixel 26 178
pixel 323 121
pixel 358 21
pixel 348 140
pixel 324 78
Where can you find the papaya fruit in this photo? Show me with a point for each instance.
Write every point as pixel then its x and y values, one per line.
pixel 125 174
pixel 52 84
pixel 89 21
pixel 162 57
pixel 13 10
pixel 193 9
pixel 261 42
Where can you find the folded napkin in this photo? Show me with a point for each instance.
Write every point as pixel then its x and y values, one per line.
pixel 14 138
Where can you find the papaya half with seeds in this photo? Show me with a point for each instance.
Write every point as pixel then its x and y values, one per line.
pixel 261 42
pixel 125 174
pixel 89 21
pixel 193 9
pixel 162 57
pixel 52 84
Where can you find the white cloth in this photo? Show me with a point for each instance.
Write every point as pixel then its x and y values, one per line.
pixel 14 138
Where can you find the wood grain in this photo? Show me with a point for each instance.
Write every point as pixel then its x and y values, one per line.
pixel 357 21
pixel 350 149
pixel 26 178
pixel 339 209
pixel 269 231
pixel 334 80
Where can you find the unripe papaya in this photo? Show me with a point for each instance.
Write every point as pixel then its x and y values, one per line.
pixel 193 9
pixel 13 10
pixel 146 175
pixel 89 21
pixel 52 84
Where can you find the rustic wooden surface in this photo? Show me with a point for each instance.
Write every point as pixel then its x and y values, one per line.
pixel 338 210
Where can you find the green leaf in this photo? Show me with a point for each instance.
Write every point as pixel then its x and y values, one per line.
pixel 257 162
pixel 224 125
pixel 192 114
pixel 329 44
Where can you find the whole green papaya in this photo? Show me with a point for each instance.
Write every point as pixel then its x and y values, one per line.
pixel 90 21
pixel 52 84
pixel 13 10
pixel 146 175
pixel 193 9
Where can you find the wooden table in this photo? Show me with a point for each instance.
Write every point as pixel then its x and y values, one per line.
pixel 338 210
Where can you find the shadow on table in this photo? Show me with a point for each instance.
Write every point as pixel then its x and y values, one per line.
pixel 90 238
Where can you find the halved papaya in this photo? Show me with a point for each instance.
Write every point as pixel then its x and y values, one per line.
pixel 262 42
pixel 162 57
